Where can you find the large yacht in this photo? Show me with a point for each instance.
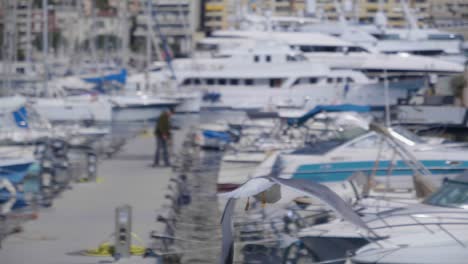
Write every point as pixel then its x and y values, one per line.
pixel 341 54
pixel 270 73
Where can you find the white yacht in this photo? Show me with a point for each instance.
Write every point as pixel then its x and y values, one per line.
pixel 269 73
pixel 74 109
pixel 335 160
pixel 341 54
pixel 412 39
pixel 433 231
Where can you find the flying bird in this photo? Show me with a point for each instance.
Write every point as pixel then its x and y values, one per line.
pixel 268 189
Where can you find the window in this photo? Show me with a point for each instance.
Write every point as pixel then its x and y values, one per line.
pixel 453 193
pixel 313 80
pixel 210 81
pixel 233 82
pixel 222 81
pixel 308 48
pixel 339 80
pixel 268 58
pixel 349 80
pixel 187 81
pixel 256 58
pixel 197 81
pixel 329 80
pixel 276 83
pixel 357 49
pixel 248 82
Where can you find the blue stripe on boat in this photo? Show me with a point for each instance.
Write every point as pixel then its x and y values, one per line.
pixel 340 171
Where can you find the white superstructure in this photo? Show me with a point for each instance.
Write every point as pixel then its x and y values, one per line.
pixel 341 54
pixel 269 73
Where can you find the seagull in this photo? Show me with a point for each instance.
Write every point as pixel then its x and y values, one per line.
pixel 268 189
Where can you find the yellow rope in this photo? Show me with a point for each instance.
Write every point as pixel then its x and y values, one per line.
pixel 107 250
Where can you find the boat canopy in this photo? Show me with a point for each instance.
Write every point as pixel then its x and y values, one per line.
pixel 99 81
pixel 330 108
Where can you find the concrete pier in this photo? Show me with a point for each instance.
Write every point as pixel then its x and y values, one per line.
pixel 84 216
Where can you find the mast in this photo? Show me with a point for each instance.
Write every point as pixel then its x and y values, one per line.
pixel 14 42
pixel 93 39
pixel 167 53
pixel 45 42
pixel 185 26
pixel 149 28
pixel 387 103
pixel 28 32
pixel 7 48
pixel 125 36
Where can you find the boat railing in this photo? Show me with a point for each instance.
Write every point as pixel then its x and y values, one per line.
pixel 439 221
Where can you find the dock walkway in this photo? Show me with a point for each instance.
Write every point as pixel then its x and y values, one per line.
pixel 84 216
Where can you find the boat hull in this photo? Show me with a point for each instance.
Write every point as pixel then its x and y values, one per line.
pixel 261 97
pixel 136 114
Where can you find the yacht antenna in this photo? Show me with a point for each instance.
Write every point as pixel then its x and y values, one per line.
pixel 411 21
pixel 410 18
pixel 380 17
pixel 341 16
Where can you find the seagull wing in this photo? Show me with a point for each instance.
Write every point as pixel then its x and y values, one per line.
pixel 227 253
pixel 325 195
pixel 257 185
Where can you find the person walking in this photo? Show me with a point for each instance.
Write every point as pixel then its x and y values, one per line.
pixel 162 133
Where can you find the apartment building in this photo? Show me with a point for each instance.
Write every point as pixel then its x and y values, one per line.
pixel 362 10
pixel 449 12
pixel 177 20
pixel 215 14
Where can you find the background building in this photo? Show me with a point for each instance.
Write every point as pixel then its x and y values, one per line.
pixel 177 20
pixel 361 10
pixel 215 15
pixel 449 13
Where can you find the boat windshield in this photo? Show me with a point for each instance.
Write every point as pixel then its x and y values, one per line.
pixel 330 139
pixel 451 194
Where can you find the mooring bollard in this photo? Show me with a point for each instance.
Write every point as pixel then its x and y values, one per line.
pixel 123 231
pixel 91 165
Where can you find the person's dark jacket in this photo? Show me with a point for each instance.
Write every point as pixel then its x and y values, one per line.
pixel 163 126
